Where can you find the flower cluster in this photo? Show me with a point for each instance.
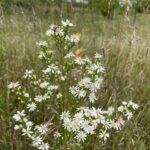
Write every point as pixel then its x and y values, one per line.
pixel 91 81
pixel 68 82
pixel 61 31
pixel 89 121
pixel 35 133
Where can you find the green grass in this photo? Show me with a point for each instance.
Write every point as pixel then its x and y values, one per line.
pixel 126 57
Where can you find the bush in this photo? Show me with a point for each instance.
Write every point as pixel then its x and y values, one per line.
pixel 62 100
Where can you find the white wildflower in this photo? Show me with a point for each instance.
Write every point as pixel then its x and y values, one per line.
pixel 79 61
pixel 29 123
pixel 16 117
pixel 129 115
pixel 51 30
pixel 98 56
pixel 92 97
pixel 44 146
pixel 67 124
pixel 42 43
pixel 81 136
pixel 110 110
pixel 57 134
pixel 27 131
pixel 85 82
pixel 42 128
pixel 16 127
pixel 44 84
pixel 124 103
pixel 81 93
pixel 65 115
pixel 121 108
pixel 42 55
pixel 94 86
pixel 104 135
pixel 28 74
pixel 37 141
pixel 31 106
pixel 69 55
pixel 133 105
pixel 67 23
pixel 59 95
pixel 59 31
pixel 13 85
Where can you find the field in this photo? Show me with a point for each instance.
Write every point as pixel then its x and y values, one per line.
pixel 125 47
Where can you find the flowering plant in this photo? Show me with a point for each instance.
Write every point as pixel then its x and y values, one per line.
pixel 60 99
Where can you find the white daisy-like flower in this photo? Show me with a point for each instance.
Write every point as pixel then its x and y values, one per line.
pixel 59 31
pixel 26 94
pixel 67 124
pixel 59 95
pixel 16 127
pixel 133 105
pixel 51 30
pixel 42 128
pixel 16 117
pixel 73 38
pixel 52 69
pixel 104 135
pixel 85 82
pixel 81 93
pixel 79 61
pixel 37 141
pixel 110 110
pixel 92 97
pixel 28 74
pixel 63 78
pixel 74 90
pixel 13 85
pixel 42 43
pixel 65 115
pixel 67 23
pixel 98 56
pixel 44 146
pixel 81 136
pixel 57 134
pixel 124 103
pixel 74 124
pixel 27 131
pixel 69 55
pixel 129 115
pixel 106 124
pixel 39 98
pixel 29 123
pixel 44 84
pixel 42 55
pixel 31 106
pixel 121 108
pixel 52 87
pixel 94 86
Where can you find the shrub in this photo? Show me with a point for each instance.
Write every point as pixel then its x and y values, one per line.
pixel 63 99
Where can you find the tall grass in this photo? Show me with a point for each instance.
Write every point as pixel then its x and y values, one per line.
pixel 124 45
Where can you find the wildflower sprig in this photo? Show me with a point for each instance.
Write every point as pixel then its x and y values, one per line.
pixel 60 101
pixel 87 120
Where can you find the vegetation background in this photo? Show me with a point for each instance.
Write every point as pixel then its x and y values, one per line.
pixel 125 45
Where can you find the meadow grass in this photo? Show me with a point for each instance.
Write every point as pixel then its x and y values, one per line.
pixel 125 47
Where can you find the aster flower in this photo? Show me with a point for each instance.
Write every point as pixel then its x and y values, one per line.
pixel 104 135
pixel 31 106
pixel 37 141
pixel 67 23
pixel 42 43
